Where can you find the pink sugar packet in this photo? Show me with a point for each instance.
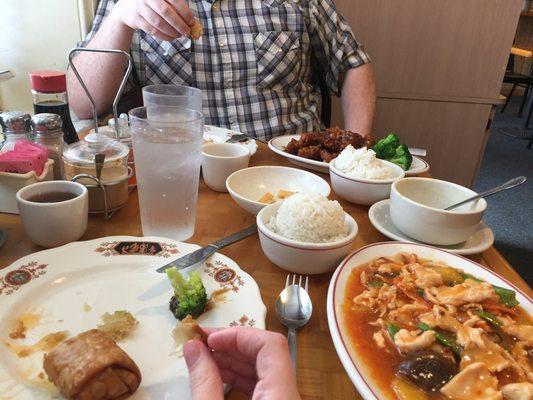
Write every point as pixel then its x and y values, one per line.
pixel 23 156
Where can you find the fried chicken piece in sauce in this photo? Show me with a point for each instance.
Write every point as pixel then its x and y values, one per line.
pixel 292 147
pixel 310 152
pixel 325 146
pixel 326 156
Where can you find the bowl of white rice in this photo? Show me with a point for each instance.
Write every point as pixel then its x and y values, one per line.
pixel 306 233
pixel 358 176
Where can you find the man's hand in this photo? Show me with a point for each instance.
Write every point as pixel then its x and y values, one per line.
pixel 255 361
pixel 164 19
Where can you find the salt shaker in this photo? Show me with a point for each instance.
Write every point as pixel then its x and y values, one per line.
pixel 48 131
pixel 15 126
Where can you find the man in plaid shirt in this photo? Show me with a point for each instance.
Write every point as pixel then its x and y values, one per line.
pixel 257 62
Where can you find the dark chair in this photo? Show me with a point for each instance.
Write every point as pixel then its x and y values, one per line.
pixel 517 79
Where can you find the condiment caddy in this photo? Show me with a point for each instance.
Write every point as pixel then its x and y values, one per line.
pixel 98 161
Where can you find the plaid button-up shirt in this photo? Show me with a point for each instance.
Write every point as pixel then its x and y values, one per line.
pixel 256 63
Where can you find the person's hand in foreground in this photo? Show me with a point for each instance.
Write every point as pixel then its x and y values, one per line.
pixel 255 361
pixel 164 19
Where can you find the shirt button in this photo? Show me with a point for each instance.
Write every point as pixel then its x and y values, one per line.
pixel 221 44
pixel 214 7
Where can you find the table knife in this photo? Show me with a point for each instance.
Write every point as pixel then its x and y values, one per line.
pixel 201 254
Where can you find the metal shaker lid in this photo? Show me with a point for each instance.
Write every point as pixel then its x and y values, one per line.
pixel 15 122
pixel 46 124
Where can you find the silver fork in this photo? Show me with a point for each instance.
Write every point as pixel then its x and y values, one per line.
pixel 294 309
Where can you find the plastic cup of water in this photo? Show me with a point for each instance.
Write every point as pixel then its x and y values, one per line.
pixel 167 145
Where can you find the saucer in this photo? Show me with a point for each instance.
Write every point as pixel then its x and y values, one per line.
pixel 480 241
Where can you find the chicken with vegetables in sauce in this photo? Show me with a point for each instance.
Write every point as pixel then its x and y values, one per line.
pixel 443 333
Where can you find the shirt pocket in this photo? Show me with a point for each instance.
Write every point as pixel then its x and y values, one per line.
pixel 279 56
pixel 167 62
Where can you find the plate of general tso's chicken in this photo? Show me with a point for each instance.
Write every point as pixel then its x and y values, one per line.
pixel 314 150
pixel 94 320
pixel 411 322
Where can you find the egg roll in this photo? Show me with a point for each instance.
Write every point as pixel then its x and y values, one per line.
pixel 91 366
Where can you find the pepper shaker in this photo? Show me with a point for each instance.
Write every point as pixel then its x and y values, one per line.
pixel 48 132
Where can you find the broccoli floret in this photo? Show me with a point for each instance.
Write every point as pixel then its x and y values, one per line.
pixel 190 297
pixel 386 147
pixel 402 157
pixel 390 149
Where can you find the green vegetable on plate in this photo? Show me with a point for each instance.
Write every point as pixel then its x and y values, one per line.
pixel 489 317
pixel 390 149
pixel 445 339
pixel 393 329
pixel 190 297
pixel 507 296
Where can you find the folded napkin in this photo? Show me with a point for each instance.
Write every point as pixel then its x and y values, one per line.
pixel 23 156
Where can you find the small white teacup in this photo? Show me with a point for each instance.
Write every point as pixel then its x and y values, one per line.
pixel 220 160
pixel 53 213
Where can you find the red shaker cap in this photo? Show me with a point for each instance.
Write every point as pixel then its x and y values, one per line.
pixel 48 81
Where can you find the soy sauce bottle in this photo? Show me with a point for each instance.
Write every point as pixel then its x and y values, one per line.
pixel 49 89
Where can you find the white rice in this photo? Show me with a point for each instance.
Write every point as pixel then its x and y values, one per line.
pixel 362 163
pixel 311 218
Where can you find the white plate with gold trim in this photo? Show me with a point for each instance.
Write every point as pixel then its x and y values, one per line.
pixel 278 144
pixel 70 287
pixel 215 134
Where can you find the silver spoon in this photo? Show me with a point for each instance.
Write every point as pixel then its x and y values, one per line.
pixel 507 185
pixel 294 309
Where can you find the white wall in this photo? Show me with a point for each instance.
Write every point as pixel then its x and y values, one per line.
pixel 37 35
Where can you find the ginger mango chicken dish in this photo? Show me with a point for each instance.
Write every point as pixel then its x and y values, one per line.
pixel 429 331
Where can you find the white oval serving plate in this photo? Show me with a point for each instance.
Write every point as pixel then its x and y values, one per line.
pixel 352 362
pixel 278 144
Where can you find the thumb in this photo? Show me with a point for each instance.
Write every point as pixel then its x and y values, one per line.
pixel 204 376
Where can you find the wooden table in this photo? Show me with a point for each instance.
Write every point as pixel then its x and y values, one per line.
pixel 320 373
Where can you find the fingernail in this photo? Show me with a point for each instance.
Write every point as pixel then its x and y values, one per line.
pixel 192 352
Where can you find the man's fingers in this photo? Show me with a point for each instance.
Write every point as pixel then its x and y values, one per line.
pixel 240 367
pixel 183 10
pixel 246 341
pixel 273 363
pixel 245 385
pixel 170 15
pixel 146 27
pixel 204 375
pixel 154 18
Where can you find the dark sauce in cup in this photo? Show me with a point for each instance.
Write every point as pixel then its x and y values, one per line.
pixel 52 197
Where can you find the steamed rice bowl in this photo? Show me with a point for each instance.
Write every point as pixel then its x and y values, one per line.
pixel 311 218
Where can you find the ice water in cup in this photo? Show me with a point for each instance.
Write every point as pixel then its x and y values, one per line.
pixel 167 147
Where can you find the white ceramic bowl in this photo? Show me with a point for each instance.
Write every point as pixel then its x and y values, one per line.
pixel 220 160
pixel 54 224
pixel 250 184
pixel 302 257
pixel 417 209
pixel 363 191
